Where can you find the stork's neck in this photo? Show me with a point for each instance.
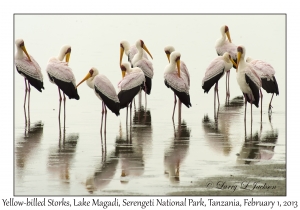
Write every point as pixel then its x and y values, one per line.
pixel 138 56
pixel 221 40
pixel 61 56
pixel 172 67
pixel 241 65
pixel 20 53
pixel 126 47
pixel 90 82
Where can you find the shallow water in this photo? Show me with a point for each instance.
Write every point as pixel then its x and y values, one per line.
pixel 152 155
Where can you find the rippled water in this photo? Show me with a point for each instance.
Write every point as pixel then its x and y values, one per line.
pixel 152 155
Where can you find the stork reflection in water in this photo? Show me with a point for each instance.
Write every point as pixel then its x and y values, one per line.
pixel 177 152
pixel 60 159
pixel 219 131
pixel 27 145
pixel 105 170
pixel 258 148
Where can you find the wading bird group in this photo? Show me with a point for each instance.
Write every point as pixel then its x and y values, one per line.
pixel 137 75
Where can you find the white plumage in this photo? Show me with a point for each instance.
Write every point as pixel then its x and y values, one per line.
pixel 267 75
pixel 248 80
pixel 60 70
pixel 183 68
pixel 130 51
pixel 223 45
pixel 61 74
pixel 134 77
pixel 177 82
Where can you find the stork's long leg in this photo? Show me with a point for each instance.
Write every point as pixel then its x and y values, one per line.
pixel 245 131
pixel 28 102
pixel 105 112
pixel 226 83
pixel 175 101
pixel 145 99
pixel 251 110
pixel 140 99
pixel 59 110
pixel 64 112
pixel 126 117
pixel 228 90
pixel 102 113
pixel 25 101
pixel 270 106
pixel 245 108
pixel 261 96
pixel 215 100
pixel 216 86
pixel 130 113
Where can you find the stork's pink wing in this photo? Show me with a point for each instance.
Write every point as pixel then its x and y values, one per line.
pixel 252 74
pixel 30 68
pixel 184 70
pixel 103 84
pixel 131 80
pixel 178 83
pixel 227 47
pixel 265 70
pixel 215 67
pixel 146 67
pixel 60 70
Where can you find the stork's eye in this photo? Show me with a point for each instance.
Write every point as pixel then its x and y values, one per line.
pixel 91 72
pixel 69 50
pixel 123 68
pixel 226 29
pixel 240 49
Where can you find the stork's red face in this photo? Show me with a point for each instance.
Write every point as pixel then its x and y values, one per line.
pixel 240 51
pixel 142 43
pixel 178 64
pixel 168 54
pixel 121 52
pixel 91 72
pixel 123 69
pixel 226 29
